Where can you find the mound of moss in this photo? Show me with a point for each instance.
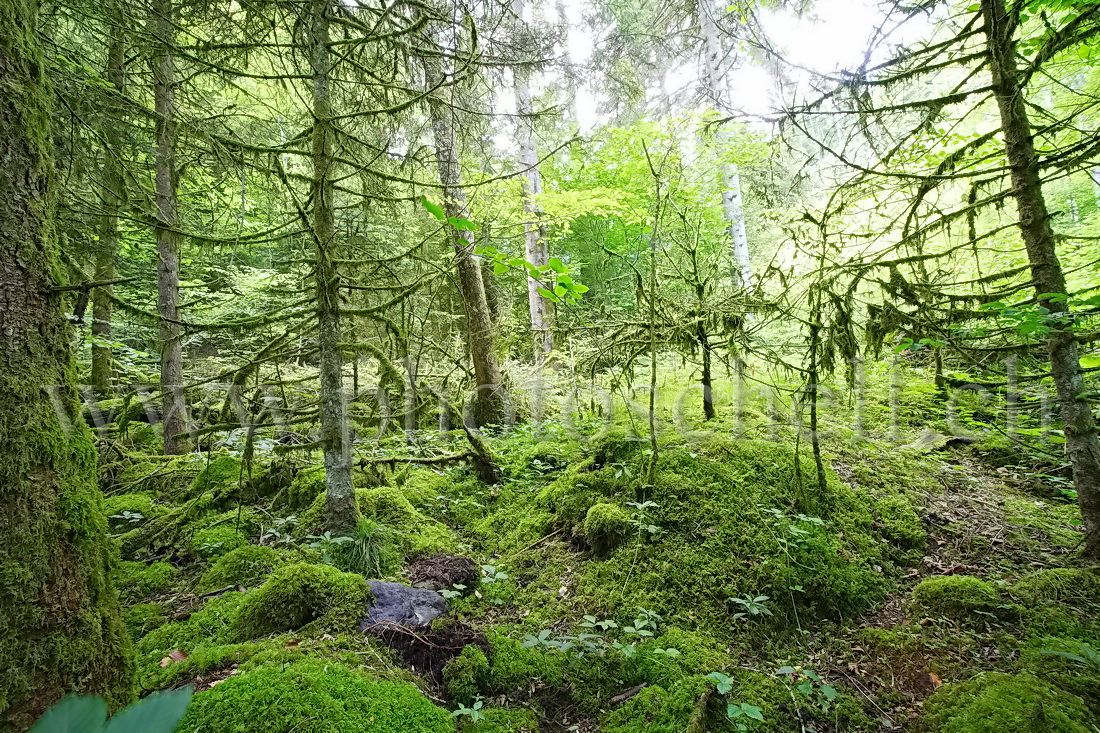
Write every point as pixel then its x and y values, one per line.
pixel 466 675
pixel 219 478
pixel 1004 703
pixel 302 595
pixel 730 520
pixel 137 580
pixel 241 566
pixel 954 595
pixel 416 534
pixel 1073 586
pixel 143 618
pixel 606 526
pixel 312 696
pixel 126 512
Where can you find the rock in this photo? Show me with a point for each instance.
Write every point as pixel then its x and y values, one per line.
pixel 401 605
pixel 444 571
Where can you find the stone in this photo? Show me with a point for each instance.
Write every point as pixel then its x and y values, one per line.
pixel 402 606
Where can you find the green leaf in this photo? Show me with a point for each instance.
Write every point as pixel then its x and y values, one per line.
pixel 557 265
pixel 548 295
pixel 74 714
pixel 1090 362
pixel 463 225
pixel 829 692
pixel 436 211
pixel 752 711
pixel 158 713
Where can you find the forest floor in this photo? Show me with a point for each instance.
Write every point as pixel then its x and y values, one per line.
pixel 727 596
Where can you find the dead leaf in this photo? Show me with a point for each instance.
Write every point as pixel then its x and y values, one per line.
pixel 937 683
pixel 176 655
pixel 291 643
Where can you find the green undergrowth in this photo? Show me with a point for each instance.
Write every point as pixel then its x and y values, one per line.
pixel 999 703
pixel 725 520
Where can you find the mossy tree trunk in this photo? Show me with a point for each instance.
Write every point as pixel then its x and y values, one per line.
pixel 342 512
pixel 1082 441
pixel 60 627
pixel 174 404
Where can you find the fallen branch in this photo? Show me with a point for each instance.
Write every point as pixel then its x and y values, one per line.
pixel 624 696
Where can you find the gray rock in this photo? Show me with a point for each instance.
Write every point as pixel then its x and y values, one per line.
pixel 399 604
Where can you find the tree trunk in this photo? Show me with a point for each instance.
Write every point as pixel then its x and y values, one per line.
pixel 706 380
pixel 732 202
pixel 1082 442
pixel 174 404
pixel 60 625
pixel 488 400
pixel 102 307
pixel 342 512
pixel 535 249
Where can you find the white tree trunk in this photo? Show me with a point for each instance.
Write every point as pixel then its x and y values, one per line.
pixel 718 94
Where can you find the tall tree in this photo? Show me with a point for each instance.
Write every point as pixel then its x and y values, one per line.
pixel 174 404
pixel 539 306
pixel 60 624
pixel 1082 439
pixel 335 440
pixel 113 193
pixel 489 399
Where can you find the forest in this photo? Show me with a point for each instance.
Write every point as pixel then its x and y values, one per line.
pixel 507 366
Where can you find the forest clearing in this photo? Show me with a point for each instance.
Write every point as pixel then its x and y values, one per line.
pixel 597 366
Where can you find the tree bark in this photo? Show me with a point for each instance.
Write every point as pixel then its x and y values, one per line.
pixel 1082 441
pixel 489 398
pixel 174 404
pixel 60 624
pixel 732 200
pixel 102 306
pixel 342 512
pixel 535 249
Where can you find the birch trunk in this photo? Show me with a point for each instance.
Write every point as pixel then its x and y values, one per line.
pixel 341 510
pixel 535 249
pixel 1082 441
pixel 732 201
pixel 174 405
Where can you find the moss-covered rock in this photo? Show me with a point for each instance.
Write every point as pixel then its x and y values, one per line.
pixel 137 580
pixel 954 595
pixel 303 490
pixel 311 696
pixel 1004 703
pixel 300 595
pixel 606 526
pixel 126 512
pixel 466 675
pixel 900 524
pixel 1073 586
pixel 220 478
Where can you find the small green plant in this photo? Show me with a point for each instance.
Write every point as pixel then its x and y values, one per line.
pixel 128 517
pixel 596 638
pixel 1083 655
pixel 453 592
pixel 810 684
pixel 328 544
pixel 473 710
pixel 369 551
pixel 736 711
pixel 640 519
pixel 158 713
pixel 753 606
pixel 279 531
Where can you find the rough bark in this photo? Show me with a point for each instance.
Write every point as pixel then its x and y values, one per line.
pixel 732 200
pixel 341 511
pixel 535 249
pixel 1082 441
pixel 102 306
pixel 489 398
pixel 60 624
pixel 174 404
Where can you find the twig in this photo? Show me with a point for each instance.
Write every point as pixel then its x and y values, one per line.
pixel 624 696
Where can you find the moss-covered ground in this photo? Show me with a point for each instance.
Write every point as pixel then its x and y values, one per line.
pixel 911 590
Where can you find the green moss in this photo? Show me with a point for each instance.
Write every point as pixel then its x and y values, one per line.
pixel 503 720
pixel 309 696
pixel 416 535
pixel 298 595
pixel 659 710
pixel 698 653
pixel 1039 523
pixel 1073 586
pixel 129 511
pixel 206 627
pixel 1000 703
pixel 136 580
pixel 466 675
pixel 954 595
pixel 241 566
pixel 513 667
pixel 143 618
pixel 1043 658
pixel 220 478
pixel 308 484
pixel 606 526
pixel 900 524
